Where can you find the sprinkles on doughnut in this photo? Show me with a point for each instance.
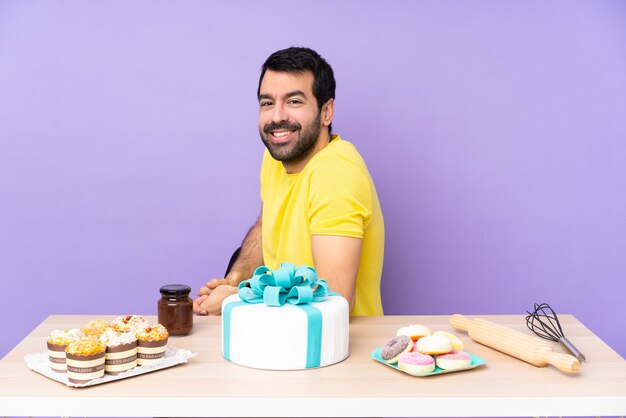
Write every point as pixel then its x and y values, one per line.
pixel 455 359
pixel 396 347
pixel 414 363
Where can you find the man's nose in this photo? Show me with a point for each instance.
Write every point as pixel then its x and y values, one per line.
pixel 279 113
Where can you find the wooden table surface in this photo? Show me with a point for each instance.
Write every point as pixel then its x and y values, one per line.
pixel 210 386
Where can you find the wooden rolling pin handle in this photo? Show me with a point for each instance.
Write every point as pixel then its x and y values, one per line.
pixel 460 322
pixel 564 362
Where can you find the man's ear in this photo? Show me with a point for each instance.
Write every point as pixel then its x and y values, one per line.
pixel 328 111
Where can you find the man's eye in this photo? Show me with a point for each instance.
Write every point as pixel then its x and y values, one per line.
pixel 265 104
pixel 295 101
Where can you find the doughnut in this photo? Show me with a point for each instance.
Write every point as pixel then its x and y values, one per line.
pixel 416 331
pixel 457 344
pixel 455 359
pixel 434 344
pixel 416 363
pixel 395 347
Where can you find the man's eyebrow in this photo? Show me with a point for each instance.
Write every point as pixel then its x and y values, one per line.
pixel 288 95
pixel 295 93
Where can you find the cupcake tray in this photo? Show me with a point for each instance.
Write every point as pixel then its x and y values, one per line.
pixel 476 361
pixel 40 363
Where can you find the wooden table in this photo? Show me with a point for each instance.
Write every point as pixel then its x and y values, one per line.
pixel 210 386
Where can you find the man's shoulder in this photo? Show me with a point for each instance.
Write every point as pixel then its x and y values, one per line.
pixel 340 168
pixel 342 146
pixel 339 151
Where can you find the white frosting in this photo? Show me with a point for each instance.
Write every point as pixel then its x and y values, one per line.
pixel 112 338
pixel 434 344
pixel 125 324
pixel 69 334
pixel 276 338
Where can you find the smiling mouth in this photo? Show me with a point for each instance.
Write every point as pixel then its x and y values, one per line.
pixel 281 136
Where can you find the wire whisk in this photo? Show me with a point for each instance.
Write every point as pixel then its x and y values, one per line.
pixel 545 324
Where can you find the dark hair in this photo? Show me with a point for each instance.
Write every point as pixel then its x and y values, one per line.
pixel 299 60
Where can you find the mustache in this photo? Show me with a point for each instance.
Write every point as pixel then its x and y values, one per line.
pixel 272 126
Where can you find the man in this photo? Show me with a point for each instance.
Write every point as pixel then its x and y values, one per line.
pixel 319 204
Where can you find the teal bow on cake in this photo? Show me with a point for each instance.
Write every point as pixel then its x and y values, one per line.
pixel 285 285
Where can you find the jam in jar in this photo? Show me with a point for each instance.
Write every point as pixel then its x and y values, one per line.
pixel 176 309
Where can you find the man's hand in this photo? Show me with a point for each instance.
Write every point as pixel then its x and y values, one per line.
pixel 213 283
pixel 210 300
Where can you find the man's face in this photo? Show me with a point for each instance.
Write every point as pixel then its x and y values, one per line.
pixel 289 118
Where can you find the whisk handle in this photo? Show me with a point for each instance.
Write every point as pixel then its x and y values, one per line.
pixel 572 349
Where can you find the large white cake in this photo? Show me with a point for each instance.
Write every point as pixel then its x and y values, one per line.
pixel 285 337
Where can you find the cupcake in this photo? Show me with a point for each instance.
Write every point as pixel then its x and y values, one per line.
pixel 57 341
pixel 129 323
pixel 121 351
pixel 96 328
pixel 85 360
pixel 151 344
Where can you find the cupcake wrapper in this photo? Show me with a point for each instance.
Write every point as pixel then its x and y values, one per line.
pixel 82 369
pixel 56 355
pixel 149 352
pixel 120 358
pixel 121 347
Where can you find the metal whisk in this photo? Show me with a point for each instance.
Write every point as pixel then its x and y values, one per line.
pixel 545 324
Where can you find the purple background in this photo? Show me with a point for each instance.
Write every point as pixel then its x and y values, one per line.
pixel 495 132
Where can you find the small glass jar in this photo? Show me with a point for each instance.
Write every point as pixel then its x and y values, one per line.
pixel 176 309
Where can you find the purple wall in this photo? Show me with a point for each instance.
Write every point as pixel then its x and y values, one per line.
pixel 495 132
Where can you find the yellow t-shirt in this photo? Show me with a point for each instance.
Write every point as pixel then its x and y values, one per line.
pixel 333 195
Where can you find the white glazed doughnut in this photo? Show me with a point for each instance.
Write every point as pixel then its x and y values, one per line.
pixel 434 344
pixel 416 363
pixel 457 344
pixel 455 359
pixel 415 332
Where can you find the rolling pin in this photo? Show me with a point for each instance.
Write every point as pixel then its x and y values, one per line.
pixel 514 343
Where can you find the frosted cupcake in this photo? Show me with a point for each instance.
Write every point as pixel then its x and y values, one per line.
pixel 96 328
pixel 129 323
pixel 151 344
pixel 121 351
pixel 57 342
pixel 85 360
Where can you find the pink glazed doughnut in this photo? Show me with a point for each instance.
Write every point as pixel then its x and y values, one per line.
pixel 455 359
pixel 416 363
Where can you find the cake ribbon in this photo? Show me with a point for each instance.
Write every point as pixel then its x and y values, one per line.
pixel 297 286
pixel 285 285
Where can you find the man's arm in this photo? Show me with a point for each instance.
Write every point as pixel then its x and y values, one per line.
pixel 336 260
pixel 250 256
pixel 211 295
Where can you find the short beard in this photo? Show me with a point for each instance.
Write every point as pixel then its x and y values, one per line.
pixel 297 150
